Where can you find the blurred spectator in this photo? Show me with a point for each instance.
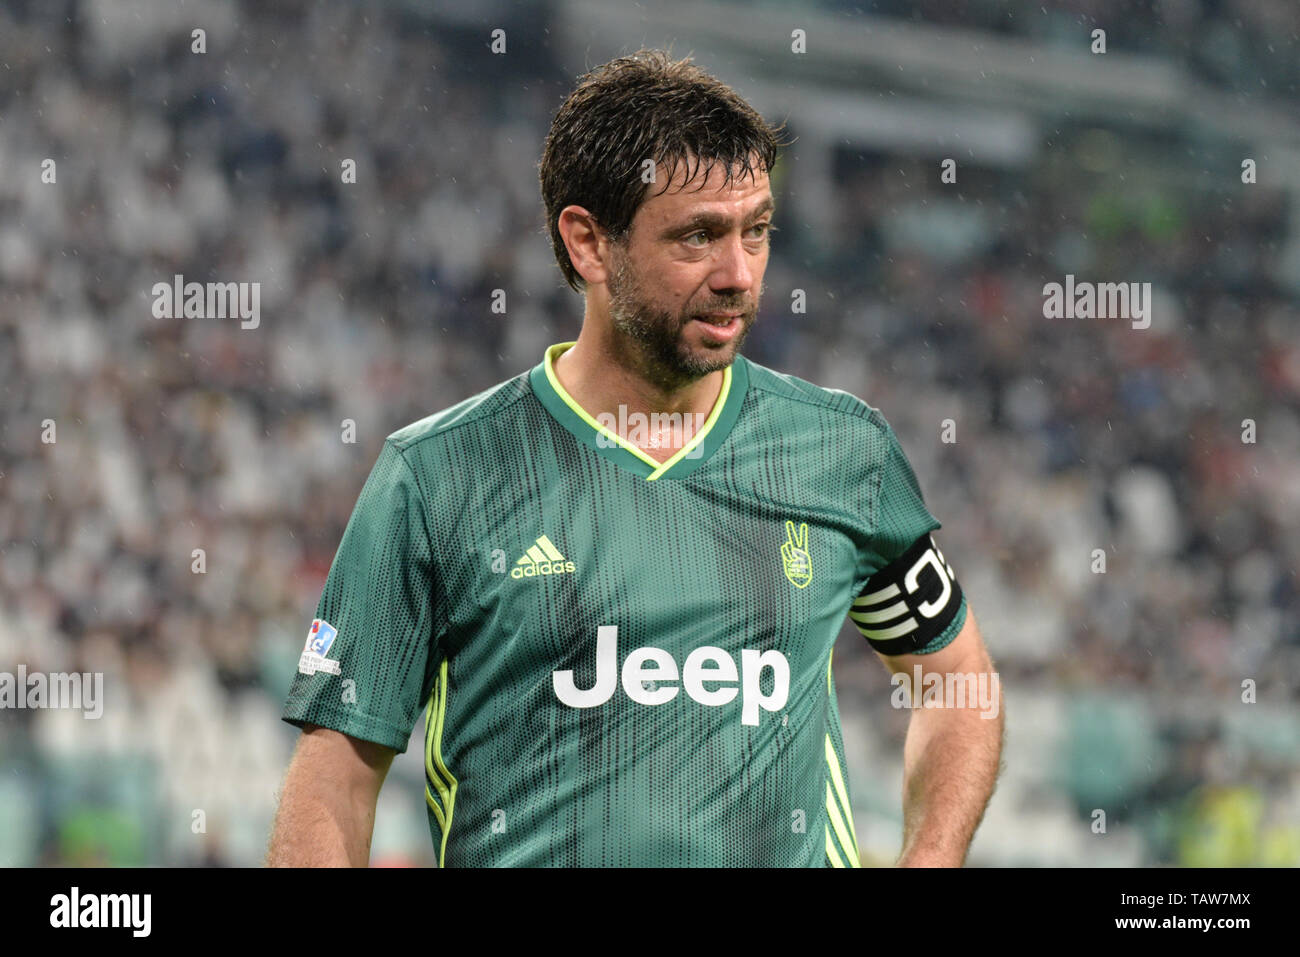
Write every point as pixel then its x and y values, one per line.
pixel 1076 438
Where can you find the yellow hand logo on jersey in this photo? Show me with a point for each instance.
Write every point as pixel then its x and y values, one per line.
pixel 794 555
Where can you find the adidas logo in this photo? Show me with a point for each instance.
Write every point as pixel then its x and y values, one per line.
pixel 542 558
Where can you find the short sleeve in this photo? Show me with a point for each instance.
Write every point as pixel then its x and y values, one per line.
pixel 365 669
pixel 911 602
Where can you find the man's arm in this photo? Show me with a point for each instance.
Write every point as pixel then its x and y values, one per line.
pixel 327 806
pixel 951 755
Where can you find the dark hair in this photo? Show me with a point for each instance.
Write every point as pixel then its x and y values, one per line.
pixel 638 107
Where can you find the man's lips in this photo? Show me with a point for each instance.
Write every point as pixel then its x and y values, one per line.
pixel 720 329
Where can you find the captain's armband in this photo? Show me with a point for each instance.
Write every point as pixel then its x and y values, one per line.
pixel 910 602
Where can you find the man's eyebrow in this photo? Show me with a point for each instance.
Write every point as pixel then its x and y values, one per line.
pixel 715 221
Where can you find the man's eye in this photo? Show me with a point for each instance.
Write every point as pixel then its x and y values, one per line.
pixel 763 231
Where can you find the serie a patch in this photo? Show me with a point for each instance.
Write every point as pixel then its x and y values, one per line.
pixel 908 603
pixel 319 639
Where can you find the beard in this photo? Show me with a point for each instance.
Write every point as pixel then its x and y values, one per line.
pixel 652 340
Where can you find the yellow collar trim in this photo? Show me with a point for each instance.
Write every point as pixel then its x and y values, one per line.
pixel 555 351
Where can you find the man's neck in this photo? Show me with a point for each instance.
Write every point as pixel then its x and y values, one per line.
pixel 601 382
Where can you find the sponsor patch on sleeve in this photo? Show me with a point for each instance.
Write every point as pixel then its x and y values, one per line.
pixel 319 639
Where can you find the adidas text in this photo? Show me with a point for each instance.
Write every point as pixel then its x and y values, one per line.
pixel 541 568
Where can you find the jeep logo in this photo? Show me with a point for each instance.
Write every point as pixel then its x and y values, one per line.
pixel 709 677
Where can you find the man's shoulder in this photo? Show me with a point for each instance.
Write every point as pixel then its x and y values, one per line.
pixel 793 392
pixel 482 410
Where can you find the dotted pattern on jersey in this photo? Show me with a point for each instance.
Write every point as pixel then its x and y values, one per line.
pixel 675 564
pixel 380 595
pixel 384 595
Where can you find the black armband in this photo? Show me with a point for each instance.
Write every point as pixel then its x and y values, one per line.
pixel 908 603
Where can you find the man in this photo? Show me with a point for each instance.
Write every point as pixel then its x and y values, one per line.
pixel 617 578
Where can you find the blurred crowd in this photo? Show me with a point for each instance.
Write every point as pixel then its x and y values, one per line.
pixel 1121 505
pixel 1244 46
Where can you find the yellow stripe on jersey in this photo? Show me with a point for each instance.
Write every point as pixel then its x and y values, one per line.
pixel 438 774
pixel 841 792
pixel 848 837
pixel 432 779
pixel 837 825
pixel 831 852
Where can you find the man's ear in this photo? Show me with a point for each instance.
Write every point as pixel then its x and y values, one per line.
pixel 587 243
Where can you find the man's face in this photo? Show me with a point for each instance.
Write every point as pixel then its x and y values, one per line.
pixel 690 253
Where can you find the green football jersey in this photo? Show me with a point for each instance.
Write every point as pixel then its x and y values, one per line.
pixel 622 662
